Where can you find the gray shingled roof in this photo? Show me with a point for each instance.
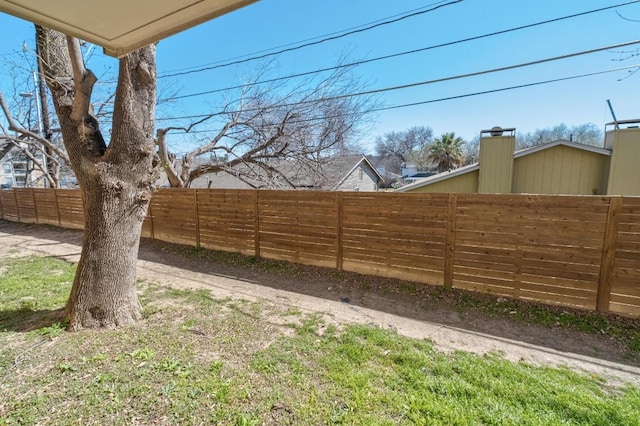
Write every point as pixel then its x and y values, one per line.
pixel 324 176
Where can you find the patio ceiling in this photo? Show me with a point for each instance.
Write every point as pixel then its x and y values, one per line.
pixel 120 26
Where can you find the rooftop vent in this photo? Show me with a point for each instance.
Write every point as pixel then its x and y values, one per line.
pixel 497 131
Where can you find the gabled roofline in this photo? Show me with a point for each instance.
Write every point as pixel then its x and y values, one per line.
pixel 560 142
pixel 366 160
pixel 520 153
pixel 440 176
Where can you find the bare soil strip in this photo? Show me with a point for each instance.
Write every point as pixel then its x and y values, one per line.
pixel 342 301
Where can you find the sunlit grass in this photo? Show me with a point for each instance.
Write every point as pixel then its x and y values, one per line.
pixel 196 359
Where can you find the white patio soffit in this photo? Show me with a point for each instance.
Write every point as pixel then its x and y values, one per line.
pixel 120 26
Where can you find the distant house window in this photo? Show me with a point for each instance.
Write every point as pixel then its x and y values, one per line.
pixel 360 173
pixel 20 167
pixel 7 168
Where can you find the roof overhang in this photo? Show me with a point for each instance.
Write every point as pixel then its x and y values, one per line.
pixel 561 142
pixel 120 26
pixel 520 153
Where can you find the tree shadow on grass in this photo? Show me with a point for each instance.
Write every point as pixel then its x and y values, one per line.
pixel 450 308
pixel 24 320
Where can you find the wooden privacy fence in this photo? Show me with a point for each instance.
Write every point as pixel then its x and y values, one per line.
pixel 579 251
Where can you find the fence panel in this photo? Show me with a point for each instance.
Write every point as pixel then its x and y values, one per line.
pixel 298 226
pixel 70 208
pixel 174 216
pixel 227 220
pixel 26 205
pixel 625 291
pixel 395 235
pixel 46 206
pixel 542 248
pixel 9 206
pixel 574 251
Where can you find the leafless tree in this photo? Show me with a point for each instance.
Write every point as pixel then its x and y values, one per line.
pixel 272 135
pixel 407 146
pixel 116 179
pixel 31 127
pixel 587 134
pixel 41 150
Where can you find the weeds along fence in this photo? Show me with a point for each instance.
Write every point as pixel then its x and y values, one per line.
pixel 578 251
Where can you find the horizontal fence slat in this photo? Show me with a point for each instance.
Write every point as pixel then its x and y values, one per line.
pixel 70 208
pixel 9 205
pixel 543 248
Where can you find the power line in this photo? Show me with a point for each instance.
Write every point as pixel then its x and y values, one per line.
pixel 433 81
pixel 395 55
pixel 473 74
pixel 308 39
pixel 313 43
pixel 520 86
pixel 448 98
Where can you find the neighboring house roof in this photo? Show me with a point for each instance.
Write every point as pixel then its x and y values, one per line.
pixel 440 176
pixel 526 151
pixel 327 175
pixel 519 153
pixel 345 162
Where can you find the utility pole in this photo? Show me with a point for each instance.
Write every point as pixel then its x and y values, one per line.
pixel 51 165
pixel 613 114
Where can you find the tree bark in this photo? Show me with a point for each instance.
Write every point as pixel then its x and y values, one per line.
pixel 116 181
pixel 104 291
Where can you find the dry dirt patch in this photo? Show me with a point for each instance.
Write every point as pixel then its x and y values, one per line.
pixel 413 310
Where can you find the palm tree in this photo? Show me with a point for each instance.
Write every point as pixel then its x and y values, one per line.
pixel 446 151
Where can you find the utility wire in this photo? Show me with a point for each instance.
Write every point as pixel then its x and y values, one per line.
pixel 395 55
pixel 308 39
pixel 448 98
pixel 473 74
pixel 520 86
pixel 438 80
pixel 313 43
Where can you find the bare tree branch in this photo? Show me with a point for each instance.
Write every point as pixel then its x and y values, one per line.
pixel 84 80
pixel 38 163
pixel 297 124
pixel 167 160
pixel 13 126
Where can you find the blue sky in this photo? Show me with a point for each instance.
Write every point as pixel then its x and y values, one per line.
pixel 272 23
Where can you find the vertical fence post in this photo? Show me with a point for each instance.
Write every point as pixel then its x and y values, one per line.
pixel 150 216
pixel 256 223
pixel 1 209
pixel 84 218
pixel 339 222
pixel 35 206
pixel 55 193
pixel 197 212
pixel 15 198
pixel 450 245
pixel 607 262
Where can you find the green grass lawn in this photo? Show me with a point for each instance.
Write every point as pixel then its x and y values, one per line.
pixel 195 360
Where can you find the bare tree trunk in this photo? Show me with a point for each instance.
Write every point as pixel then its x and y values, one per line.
pixel 116 181
pixel 104 292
